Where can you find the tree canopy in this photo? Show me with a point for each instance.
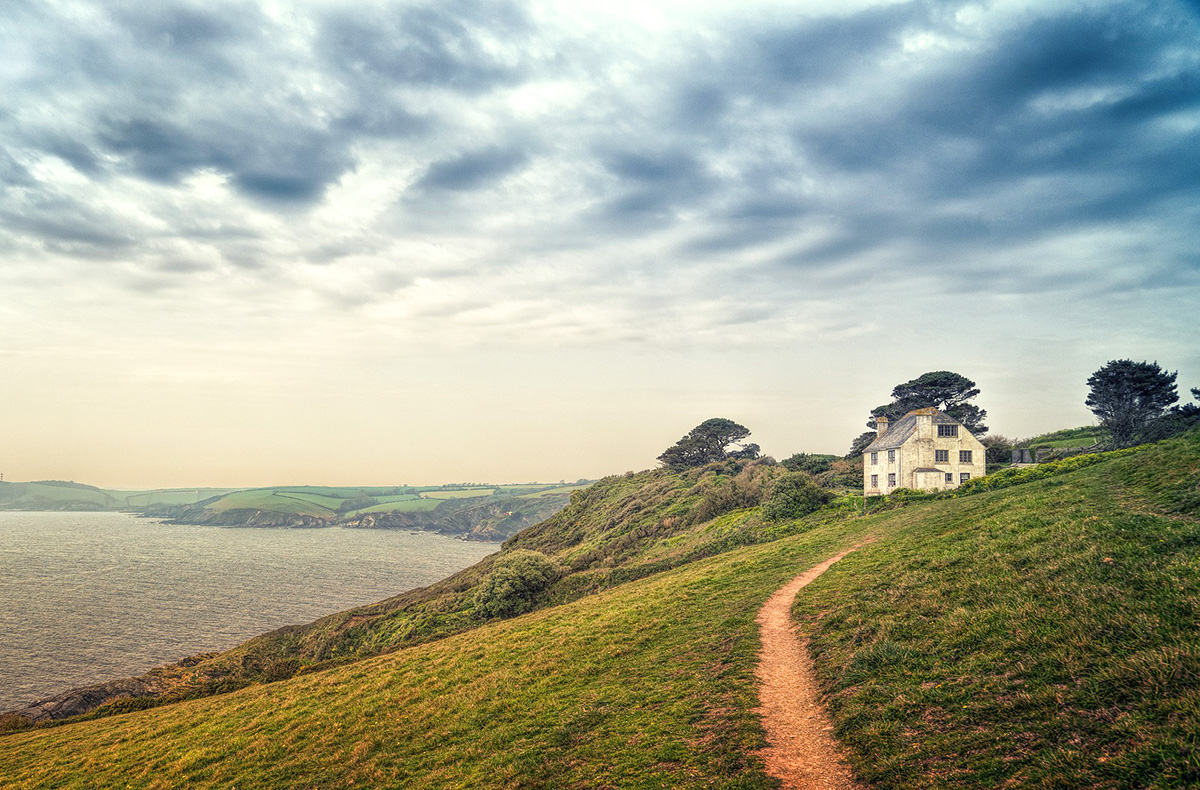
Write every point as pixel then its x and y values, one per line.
pixel 715 439
pixel 1129 397
pixel 944 390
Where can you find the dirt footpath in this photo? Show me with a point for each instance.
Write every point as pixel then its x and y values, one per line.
pixel 801 751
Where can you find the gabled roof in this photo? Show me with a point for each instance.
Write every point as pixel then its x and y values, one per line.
pixel 902 429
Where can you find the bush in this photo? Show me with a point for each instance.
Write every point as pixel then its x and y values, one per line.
pixel 513 584
pixel 1016 476
pixel 729 486
pixel 813 463
pixel 843 473
pixel 794 495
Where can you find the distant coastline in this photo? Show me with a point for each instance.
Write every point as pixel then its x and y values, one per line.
pixel 471 511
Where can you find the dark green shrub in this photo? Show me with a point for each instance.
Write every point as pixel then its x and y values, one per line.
pixel 794 495
pixel 813 463
pixel 514 582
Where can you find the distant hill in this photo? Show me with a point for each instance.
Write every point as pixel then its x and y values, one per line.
pixel 55 495
pixel 476 512
pixel 1037 635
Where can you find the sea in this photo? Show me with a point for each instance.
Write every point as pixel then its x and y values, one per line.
pixel 89 597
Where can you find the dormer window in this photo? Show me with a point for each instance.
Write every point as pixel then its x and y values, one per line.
pixel 947 430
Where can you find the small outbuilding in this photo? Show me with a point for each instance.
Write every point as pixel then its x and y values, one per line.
pixel 925 450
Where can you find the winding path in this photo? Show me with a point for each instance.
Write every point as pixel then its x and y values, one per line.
pixel 801 751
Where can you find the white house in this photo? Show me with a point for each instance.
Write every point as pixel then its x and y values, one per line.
pixel 926 450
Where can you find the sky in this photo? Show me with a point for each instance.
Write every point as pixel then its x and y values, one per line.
pixel 253 243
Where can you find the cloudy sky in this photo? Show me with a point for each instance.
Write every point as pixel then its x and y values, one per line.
pixel 283 242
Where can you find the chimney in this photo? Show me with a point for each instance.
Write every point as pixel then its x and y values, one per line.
pixel 881 426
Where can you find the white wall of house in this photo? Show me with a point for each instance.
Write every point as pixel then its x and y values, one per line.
pixel 926 461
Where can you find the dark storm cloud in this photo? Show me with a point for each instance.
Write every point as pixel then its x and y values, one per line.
pixel 472 170
pixel 821 50
pixel 439 45
pixel 167 90
pixel 66 225
pixel 1060 122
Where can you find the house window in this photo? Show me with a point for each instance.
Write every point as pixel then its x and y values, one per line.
pixel 941 456
pixel 964 456
pixel 874 459
pixel 947 430
pixel 949 477
pixel 874 481
pixel 964 477
pixel 892 479
pixel 891 456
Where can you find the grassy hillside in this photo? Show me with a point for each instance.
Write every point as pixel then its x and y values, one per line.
pixel 1086 436
pixel 1040 635
pixel 55 495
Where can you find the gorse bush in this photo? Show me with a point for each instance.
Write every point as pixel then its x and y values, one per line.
pixel 794 495
pixel 730 486
pixel 513 584
pixel 1015 476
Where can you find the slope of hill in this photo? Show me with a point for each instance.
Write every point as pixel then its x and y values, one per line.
pixel 1032 636
pixel 55 495
pixel 1087 436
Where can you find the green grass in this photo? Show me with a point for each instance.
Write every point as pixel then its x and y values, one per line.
pixel 1067 437
pixel 168 496
pixel 553 491
pixel 268 500
pixel 55 495
pixel 411 505
pixel 396 498
pixel 1043 636
pixel 458 493
pixel 321 500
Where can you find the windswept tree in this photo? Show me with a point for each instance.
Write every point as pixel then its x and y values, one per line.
pixel 1129 397
pixel 948 392
pixel 712 440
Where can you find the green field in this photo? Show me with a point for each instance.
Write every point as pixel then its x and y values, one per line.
pixel 1041 635
pixel 168 496
pixel 411 505
pixel 1068 437
pixel 269 500
pixel 556 490
pixel 458 493
pixel 321 500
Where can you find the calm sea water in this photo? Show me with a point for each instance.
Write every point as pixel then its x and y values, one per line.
pixel 87 597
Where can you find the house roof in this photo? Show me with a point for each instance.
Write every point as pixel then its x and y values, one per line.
pixel 900 431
